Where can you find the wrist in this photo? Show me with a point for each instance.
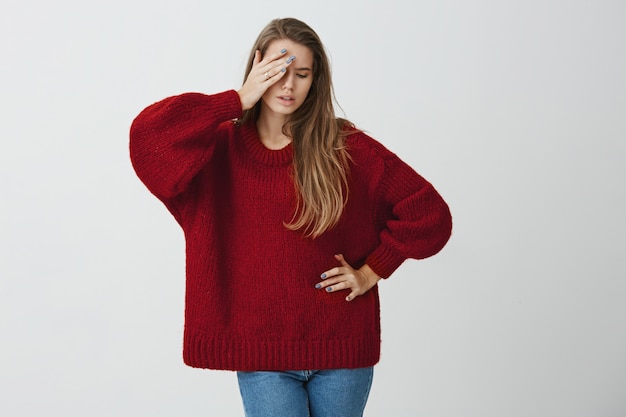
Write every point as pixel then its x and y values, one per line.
pixel 241 100
pixel 244 99
pixel 369 274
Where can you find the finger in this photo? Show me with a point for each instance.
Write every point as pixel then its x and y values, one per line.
pixel 336 271
pixel 274 71
pixel 271 57
pixel 273 75
pixel 330 282
pixel 329 273
pixel 352 295
pixel 343 285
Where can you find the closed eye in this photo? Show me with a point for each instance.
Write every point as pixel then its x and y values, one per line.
pixel 302 72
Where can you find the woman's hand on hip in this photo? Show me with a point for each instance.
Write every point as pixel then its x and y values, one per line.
pixel 344 277
pixel 264 73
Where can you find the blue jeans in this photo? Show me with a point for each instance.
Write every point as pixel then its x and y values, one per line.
pixel 324 393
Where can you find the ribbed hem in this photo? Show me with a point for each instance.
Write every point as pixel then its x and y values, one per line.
pixel 230 107
pixel 384 261
pixel 222 106
pixel 224 353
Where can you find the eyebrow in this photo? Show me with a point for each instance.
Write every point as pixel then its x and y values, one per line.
pixel 303 69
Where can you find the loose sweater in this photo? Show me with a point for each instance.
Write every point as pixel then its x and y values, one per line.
pixel 250 299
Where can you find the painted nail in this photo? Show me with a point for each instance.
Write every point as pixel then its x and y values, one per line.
pixel 329 289
pixel 283 70
pixel 318 286
pixel 323 276
pixel 291 59
pixel 282 51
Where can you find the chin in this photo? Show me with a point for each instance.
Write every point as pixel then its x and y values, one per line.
pixel 286 111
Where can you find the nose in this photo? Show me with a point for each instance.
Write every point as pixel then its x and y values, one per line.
pixel 288 80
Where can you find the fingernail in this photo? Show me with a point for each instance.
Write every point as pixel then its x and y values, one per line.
pixel 291 58
pixel 283 70
pixel 329 289
pixel 318 286
pixel 282 51
pixel 323 276
pixel 348 298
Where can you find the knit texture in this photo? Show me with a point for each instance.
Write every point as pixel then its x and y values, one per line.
pixel 251 302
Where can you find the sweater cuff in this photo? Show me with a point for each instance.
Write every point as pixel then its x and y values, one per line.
pixel 230 106
pixel 384 261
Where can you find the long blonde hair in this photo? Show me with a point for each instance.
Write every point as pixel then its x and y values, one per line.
pixel 320 159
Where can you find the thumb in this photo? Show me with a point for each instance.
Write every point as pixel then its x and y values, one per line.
pixel 341 260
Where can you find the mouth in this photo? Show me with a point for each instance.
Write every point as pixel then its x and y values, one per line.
pixel 286 100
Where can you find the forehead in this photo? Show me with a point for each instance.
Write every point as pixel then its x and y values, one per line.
pixel 304 56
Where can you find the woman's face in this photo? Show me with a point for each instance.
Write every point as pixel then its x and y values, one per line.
pixel 287 94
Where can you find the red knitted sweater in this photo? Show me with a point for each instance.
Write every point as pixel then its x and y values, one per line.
pixel 251 302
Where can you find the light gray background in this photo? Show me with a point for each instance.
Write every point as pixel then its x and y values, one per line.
pixel 516 111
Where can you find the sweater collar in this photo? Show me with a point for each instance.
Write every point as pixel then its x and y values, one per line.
pixel 254 148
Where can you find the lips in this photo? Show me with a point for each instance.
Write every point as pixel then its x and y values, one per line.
pixel 286 100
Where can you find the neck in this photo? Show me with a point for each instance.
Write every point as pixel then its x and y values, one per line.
pixel 270 128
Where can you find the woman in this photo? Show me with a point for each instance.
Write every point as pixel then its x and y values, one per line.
pixel 291 217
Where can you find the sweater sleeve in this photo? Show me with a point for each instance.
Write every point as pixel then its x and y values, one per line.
pixel 173 139
pixel 417 221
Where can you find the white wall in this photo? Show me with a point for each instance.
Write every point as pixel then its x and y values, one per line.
pixel 516 111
